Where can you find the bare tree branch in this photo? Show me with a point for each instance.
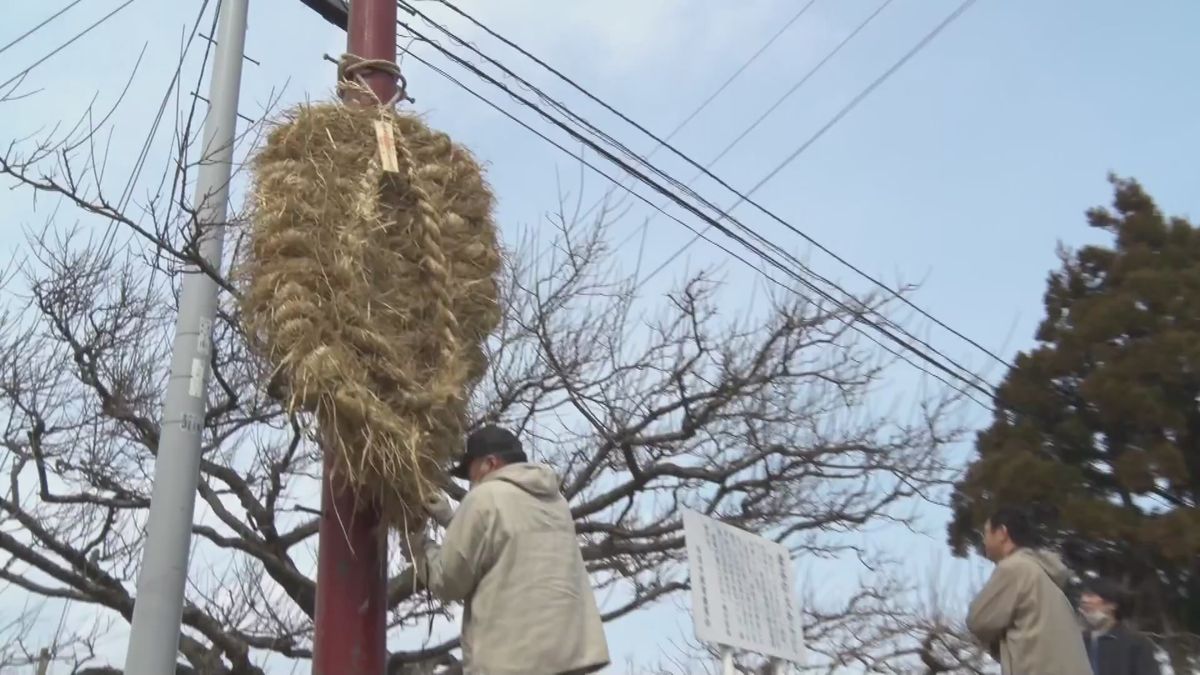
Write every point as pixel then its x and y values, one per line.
pixel 646 406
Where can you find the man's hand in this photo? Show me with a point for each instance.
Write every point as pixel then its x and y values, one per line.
pixel 421 546
pixel 438 507
pixel 412 544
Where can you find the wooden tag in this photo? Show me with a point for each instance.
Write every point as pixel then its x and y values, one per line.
pixel 387 147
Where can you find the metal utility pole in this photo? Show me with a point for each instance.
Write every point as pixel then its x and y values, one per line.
pixel 158 608
pixel 351 607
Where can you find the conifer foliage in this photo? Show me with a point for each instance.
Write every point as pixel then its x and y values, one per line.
pixel 1098 426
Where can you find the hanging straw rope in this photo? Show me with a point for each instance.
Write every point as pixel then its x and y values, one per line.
pixel 370 287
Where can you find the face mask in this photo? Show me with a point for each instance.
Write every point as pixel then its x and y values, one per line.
pixel 1095 618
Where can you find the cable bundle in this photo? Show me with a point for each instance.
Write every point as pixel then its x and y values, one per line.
pixel 863 319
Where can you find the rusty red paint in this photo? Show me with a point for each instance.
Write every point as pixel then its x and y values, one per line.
pixel 351 605
pixel 372 35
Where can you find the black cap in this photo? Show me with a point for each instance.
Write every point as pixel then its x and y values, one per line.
pixel 488 441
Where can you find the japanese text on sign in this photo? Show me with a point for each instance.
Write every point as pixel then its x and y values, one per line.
pixel 742 590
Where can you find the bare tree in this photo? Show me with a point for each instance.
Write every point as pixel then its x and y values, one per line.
pixel 872 630
pixel 24 648
pixel 646 407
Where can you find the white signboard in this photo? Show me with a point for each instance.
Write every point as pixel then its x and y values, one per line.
pixel 742 590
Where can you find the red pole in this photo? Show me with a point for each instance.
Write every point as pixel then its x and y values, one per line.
pixel 351 604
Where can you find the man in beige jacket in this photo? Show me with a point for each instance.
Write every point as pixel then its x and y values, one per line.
pixel 1022 615
pixel 510 555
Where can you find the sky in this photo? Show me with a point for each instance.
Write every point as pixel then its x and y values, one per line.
pixel 963 171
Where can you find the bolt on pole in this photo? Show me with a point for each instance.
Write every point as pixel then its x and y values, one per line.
pixel 351 605
pixel 158 607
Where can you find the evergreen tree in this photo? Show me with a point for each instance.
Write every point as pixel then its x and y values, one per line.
pixel 1097 428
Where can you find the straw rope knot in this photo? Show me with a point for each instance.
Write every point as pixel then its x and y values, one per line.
pixel 351 78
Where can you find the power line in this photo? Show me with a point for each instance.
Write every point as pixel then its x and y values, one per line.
pixel 109 237
pixel 723 214
pixel 38 27
pixel 857 315
pixel 921 45
pixel 738 73
pixel 720 90
pixel 744 197
pixel 767 113
pixel 669 179
pixel 584 123
pixel 745 65
pixel 127 193
pixel 854 316
pixel 179 181
pixel 140 163
pixel 821 132
pixel 799 83
pixel 916 49
pixel 554 102
pixel 66 44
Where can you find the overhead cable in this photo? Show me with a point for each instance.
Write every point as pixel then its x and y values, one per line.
pixel 743 197
pixel 857 315
pixel 722 214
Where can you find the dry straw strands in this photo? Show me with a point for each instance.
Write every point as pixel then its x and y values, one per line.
pixel 371 292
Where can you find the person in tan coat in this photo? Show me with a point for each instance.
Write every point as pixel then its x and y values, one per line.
pixel 510 555
pixel 1022 616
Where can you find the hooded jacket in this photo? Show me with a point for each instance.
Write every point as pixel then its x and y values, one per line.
pixel 511 556
pixel 1023 614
